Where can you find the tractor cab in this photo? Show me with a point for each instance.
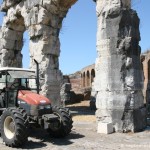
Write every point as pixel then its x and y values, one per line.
pixel 13 81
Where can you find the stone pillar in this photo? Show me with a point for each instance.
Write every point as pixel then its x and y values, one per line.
pixel 11 36
pixel 44 27
pixel 118 78
pixel 11 43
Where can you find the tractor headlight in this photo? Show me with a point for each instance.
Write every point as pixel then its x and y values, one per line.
pixel 41 107
pixel 44 109
pixel 44 106
pixel 47 106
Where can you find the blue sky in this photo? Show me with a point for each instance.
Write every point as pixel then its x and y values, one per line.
pixel 78 35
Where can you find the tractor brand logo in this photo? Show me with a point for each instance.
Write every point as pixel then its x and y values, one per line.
pixel 21 102
pixel 42 101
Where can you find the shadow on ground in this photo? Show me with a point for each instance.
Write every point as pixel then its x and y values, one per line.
pixel 38 139
pixel 81 110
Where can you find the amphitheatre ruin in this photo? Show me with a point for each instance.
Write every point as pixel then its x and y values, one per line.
pixel 117 76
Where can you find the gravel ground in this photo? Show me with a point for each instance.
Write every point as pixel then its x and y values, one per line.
pixel 85 137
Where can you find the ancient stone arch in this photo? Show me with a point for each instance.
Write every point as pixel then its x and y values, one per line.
pixel 118 81
pixel 87 76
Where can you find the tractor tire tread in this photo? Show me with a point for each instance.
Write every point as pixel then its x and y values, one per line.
pixel 21 124
pixel 66 122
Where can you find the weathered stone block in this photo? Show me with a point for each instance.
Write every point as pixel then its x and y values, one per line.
pixel 122 119
pixel 51 46
pixel 66 87
pixel 34 15
pixel 44 16
pixel 29 4
pixel 105 128
pixel 7 44
pixel 53 9
pixel 11 34
pixel 40 30
pixel 8 3
pixel 19 28
pixel 140 121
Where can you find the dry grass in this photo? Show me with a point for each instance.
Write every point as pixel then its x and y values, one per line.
pixel 89 118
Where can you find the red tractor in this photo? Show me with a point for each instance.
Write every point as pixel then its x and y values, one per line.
pixel 21 106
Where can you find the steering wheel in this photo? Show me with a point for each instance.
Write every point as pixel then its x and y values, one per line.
pixel 15 85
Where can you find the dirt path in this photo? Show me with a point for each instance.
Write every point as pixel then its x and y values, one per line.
pixel 82 112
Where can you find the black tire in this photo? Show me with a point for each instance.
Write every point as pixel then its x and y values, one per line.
pixel 65 123
pixel 14 127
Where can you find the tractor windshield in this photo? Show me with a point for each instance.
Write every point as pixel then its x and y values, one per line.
pixel 18 80
pixel 23 79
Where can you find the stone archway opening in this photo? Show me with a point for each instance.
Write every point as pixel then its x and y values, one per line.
pixel 92 75
pixel 79 44
pixel 83 79
pixel 80 49
pixel 25 50
pixel 87 79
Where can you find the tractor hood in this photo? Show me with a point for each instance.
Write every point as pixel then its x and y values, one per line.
pixel 32 98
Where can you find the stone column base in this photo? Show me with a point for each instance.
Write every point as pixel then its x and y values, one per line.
pixel 124 120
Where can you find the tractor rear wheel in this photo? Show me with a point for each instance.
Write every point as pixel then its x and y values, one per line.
pixel 14 127
pixel 64 126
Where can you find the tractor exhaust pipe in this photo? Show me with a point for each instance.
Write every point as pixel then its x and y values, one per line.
pixel 37 77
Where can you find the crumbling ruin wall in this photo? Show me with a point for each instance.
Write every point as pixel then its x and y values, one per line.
pixel 43 21
pixel 75 80
pixel 118 69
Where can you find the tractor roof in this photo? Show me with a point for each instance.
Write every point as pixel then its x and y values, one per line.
pixel 18 72
pixel 15 69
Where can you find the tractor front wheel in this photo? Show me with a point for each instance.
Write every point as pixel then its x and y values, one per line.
pixel 14 127
pixel 64 125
